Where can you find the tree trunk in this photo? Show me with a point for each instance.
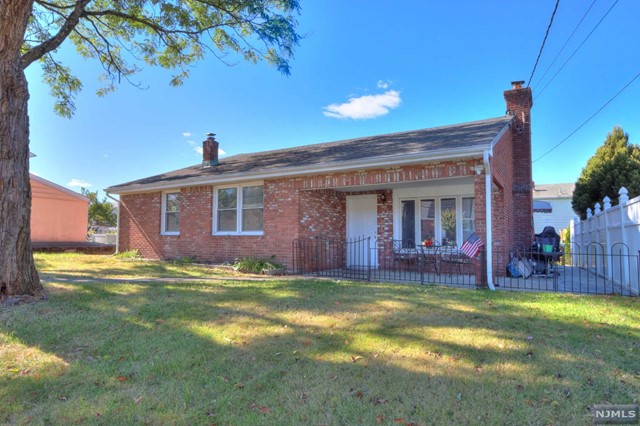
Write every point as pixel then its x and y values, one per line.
pixel 18 275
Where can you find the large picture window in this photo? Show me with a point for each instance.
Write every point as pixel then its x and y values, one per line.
pixel 239 210
pixel 445 220
pixel 170 213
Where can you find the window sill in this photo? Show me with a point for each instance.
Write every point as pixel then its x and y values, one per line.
pixel 169 233
pixel 238 234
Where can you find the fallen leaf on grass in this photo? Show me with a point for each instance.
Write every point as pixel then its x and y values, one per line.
pixel 379 401
pixel 399 420
pixel 62 398
pixel 261 408
pixel 138 399
pixel 121 359
pixel 159 321
pixel 355 358
pixel 121 379
pixel 359 394
pixel 25 371
pixel 590 381
pixel 238 386
pixel 379 419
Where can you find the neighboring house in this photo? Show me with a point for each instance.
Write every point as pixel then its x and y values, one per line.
pixel 552 206
pixel 57 214
pixel 401 186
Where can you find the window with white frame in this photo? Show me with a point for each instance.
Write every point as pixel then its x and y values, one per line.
pixel 171 213
pixel 238 210
pixel 443 220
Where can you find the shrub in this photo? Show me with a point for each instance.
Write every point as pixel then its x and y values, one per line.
pixel 128 254
pixel 184 260
pixel 256 265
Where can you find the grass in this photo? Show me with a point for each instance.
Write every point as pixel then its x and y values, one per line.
pixel 288 352
pixel 75 265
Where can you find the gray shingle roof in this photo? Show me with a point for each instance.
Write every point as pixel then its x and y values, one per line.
pixel 554 190
pixel 445 139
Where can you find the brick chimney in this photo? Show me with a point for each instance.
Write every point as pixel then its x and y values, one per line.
pixel 210 151
pixel 519 102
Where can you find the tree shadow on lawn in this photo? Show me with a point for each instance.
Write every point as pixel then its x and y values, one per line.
pixel 311 352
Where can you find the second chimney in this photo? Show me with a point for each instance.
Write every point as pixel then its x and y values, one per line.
pixel 210 150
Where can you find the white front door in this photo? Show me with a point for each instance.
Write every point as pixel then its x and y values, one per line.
pixel 362 222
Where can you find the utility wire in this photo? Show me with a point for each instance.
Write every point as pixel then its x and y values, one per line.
pixel 564 45
pixel 544 41
pixel 589 119
pixel 576 51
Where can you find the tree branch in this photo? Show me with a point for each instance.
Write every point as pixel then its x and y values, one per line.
pixel 54 42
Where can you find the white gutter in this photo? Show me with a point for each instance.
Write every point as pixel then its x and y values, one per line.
pixel 117 223
pixel 307 170
pixel 488 202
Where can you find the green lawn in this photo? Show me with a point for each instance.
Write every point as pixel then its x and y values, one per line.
pixel 289 352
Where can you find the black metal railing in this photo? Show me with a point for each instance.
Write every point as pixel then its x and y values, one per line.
pixel 380 260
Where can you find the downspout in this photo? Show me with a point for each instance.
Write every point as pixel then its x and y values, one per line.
pixel 489 236
pixel 117 223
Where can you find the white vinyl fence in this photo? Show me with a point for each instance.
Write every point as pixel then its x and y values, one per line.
pixel 608 241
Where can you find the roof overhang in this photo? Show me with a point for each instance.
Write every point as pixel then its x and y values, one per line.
pixel 367 163
pixel 540 206
pixel 58 187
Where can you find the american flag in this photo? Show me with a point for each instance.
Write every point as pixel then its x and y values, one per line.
pixel 472 246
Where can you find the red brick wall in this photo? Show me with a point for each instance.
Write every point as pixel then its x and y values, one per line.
pixel 293 207
pixel 322 213
pixel 140 224
pixel 519 103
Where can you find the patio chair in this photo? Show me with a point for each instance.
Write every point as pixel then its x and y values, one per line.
pixel 451 255
pixel 404 251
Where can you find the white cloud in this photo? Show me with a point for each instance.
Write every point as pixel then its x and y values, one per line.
pixel 221 152
pixel 34 173
pixel 383 84
pixel 198 149
pixel 186 134
pixel 364 107
pixel 78 182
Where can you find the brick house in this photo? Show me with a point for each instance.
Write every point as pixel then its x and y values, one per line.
pixel 429 183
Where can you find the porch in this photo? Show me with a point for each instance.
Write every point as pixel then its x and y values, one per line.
pixel 365 259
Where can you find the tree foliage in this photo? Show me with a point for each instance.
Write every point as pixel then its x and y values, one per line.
pixel 615 164
pixel 125 34
pixel 101 212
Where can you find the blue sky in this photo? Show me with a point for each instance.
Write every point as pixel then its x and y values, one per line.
pixel 364 67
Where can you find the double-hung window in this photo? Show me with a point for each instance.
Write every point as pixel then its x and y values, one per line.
pixel 170 213
pixel 238 210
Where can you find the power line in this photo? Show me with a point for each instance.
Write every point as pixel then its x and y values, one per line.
pixel 544 41
pixel 564 45
pixel 576 51
pixel 589 119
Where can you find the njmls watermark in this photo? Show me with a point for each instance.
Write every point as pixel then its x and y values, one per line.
pixel 614 414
